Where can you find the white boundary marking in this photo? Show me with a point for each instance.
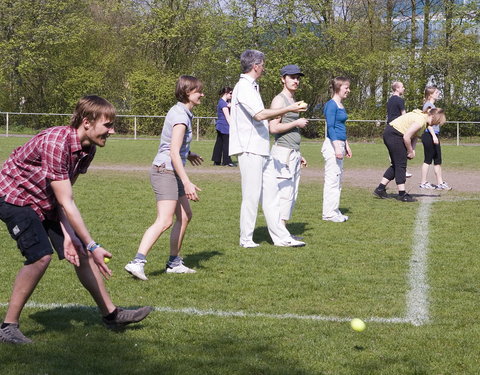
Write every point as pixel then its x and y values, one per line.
pixel 417 298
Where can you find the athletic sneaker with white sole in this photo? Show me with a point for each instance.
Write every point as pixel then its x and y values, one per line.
pixel 408 174
pixel 135 267
pixel 11 334
pixel 443 186
pixel 427 185
pixel 249 244
pixel 179 268
pixel 337 219
pixel 291 243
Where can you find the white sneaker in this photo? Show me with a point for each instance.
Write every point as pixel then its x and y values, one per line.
pixel 249 244
pixel 298 238
pixel 291 243
pixel 337 219
pixel 180 268
pixel 135 267
pixel 427 185
pixel 443 186
pixel 408 174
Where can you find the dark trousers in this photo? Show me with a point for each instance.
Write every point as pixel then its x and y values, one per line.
pixel 220 150
pixel 431 151
pixel 393 139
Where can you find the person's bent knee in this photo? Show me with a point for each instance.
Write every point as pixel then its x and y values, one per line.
pixel 43 261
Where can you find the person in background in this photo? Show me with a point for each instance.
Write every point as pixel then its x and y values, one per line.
pixel 220 150
pixel 39 210
pixel 250 140
pixel 335 148
pixel 431 145
pixel 286 149
pixel 400 137
pixel 396 105
pixel 171 185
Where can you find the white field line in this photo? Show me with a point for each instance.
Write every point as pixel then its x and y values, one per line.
pixel 220 313
pixel 417 297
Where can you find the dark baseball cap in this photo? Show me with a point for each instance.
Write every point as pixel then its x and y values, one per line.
pixel 291 70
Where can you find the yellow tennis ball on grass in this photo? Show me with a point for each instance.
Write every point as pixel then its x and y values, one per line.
pixel 358 325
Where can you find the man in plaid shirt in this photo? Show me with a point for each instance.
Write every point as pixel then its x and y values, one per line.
pixel 37 205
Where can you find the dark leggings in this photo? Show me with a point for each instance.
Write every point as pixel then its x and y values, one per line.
pixel 221 149
pixel 393 139
pixel 431 151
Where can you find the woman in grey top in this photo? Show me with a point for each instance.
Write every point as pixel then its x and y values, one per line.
pixel 431 145
pixel 173 189
pixel 286 149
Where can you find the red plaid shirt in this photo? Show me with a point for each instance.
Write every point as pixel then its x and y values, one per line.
pixel 55 154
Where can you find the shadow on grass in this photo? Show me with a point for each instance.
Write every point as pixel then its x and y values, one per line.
pixel 66 318
pixel 261 233
pixel 153 350
pixel 193 261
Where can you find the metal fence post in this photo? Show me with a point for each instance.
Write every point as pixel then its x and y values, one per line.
pixel 198 128
pixel 135 127
pixel 6 132
pixel 458 134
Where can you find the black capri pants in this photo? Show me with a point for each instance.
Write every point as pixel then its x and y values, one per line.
pixel 393 139
pixel 431 151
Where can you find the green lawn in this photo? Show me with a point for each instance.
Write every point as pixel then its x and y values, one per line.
pixel 356 269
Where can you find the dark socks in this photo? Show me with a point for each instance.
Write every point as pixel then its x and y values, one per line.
pixel 382 187
pixel 112 315
pixel 401 193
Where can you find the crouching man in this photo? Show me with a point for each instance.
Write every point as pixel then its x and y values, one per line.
pixel 37 205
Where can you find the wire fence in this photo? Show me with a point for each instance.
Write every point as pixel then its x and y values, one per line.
pixel 140 126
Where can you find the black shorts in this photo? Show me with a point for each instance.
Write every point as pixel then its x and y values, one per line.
pixel 35 238
pixel 432 152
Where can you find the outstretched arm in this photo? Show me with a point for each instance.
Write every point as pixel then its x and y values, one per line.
pixel 71 218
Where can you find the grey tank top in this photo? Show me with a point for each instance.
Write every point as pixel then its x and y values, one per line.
pixel 290 139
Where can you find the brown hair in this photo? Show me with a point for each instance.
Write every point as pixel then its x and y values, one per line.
pixel 438 115
pixel 429 91
pixel 92 107
pixel 185 85
pixel 336 83
pixel 224 90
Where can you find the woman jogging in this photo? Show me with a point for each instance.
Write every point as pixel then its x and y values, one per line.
pixel 334 149
pixel 431 145
pixel 173 189
pixel 400 138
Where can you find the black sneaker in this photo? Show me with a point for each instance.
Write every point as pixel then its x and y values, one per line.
pixel 380 193
pixel 125 317
pixel 406 198
pixel 11 334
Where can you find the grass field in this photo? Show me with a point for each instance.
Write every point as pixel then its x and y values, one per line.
pixel 409 270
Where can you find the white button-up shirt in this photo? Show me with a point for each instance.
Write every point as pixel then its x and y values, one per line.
pixel 246 133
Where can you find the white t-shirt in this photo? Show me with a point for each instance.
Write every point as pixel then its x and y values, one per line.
pixel 246 133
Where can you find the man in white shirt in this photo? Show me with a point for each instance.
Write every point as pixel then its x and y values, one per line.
pixel 250 141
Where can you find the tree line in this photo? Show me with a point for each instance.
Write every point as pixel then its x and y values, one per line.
pixel 132 51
